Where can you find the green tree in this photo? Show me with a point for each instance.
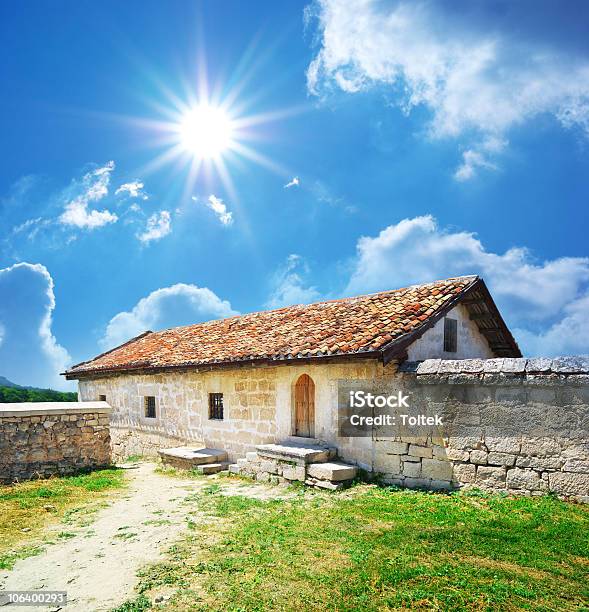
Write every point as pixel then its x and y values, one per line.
pixel 20 394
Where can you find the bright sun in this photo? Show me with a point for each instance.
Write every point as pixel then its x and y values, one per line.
pixel 206 131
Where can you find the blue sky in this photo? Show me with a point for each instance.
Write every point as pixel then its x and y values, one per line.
pixel 427 140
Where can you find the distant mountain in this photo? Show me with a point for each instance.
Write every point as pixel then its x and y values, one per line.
pixel 4 382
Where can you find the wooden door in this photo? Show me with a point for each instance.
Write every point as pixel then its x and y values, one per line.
pixel 305 407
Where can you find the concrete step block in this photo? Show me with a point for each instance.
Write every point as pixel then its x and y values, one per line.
pixel 326 484
pixel 194 456
pixel 211 468
pixel 335 471
pixel 300 455
pixel 300 441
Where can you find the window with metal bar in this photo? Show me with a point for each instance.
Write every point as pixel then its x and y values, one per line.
pixel 150 407
pixel 450 335
pixel 216 406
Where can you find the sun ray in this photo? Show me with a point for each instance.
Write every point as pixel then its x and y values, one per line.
pixel 191 178
pixel 226 179
pixel 259 158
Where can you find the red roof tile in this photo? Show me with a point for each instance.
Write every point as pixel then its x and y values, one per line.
pixel 348 326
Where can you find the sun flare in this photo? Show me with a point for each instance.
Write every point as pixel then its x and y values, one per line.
pixel 206 131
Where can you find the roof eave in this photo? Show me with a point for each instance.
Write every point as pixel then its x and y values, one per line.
pixel 151 369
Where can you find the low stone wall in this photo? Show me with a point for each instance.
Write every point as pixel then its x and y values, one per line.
pixel 129 440
pixel 45 439
pixel 520 426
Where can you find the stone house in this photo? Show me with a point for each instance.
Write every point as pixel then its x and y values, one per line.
pixel 260 378
pixel 264 390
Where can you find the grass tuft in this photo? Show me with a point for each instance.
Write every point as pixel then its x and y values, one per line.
pixel 139 604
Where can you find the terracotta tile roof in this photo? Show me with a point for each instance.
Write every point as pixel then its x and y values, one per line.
pixel 350 326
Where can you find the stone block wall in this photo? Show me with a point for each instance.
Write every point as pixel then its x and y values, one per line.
pixel 519 426
pixel 182 411
pixel 128 441
pixel 45 439
pixel 515 425
pixel 258 405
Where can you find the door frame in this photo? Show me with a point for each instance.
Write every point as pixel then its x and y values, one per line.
pixel 311 420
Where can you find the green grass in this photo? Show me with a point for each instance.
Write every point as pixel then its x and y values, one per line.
pixel 133 458
pixel 135 605
pixel 33 505
pixel 377 549
pixel 157 522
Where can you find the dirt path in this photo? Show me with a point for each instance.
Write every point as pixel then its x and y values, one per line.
pixel 97 566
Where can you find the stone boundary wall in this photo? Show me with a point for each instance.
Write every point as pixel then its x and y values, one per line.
pixel 481 369
pixel 519 426
pixel 41 439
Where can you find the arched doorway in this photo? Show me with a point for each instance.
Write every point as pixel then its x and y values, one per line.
pixel 304 402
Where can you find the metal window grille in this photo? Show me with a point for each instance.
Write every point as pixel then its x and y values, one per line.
pixel 150 407
pixel 216 406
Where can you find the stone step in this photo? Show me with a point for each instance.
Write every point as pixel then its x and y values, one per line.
pixel 325 484
pixel 300 441
pixel 187 457
pixel 334 471
pixel 212 468
pixel 300 455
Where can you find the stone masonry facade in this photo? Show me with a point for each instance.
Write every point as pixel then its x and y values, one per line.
pixel 46 439
pixel 258 405
pixel 519 426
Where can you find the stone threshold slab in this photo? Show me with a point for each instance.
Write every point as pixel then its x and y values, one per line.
pixel 334 471
pixel 295 453
pixel 195 456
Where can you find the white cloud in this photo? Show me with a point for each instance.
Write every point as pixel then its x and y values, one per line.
pixel 94 187
pixel 475 159
pixel 2 333
pixel 76 213
pixel 158 226
pixel 219 208
pixel 294 182
pixel 568 336
pixel 475 85
pixel 471 162
pixel 179 304
pixel 134 189
pixel 31 227
pixel 289 285
pixel 417 250
pixel 29 352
